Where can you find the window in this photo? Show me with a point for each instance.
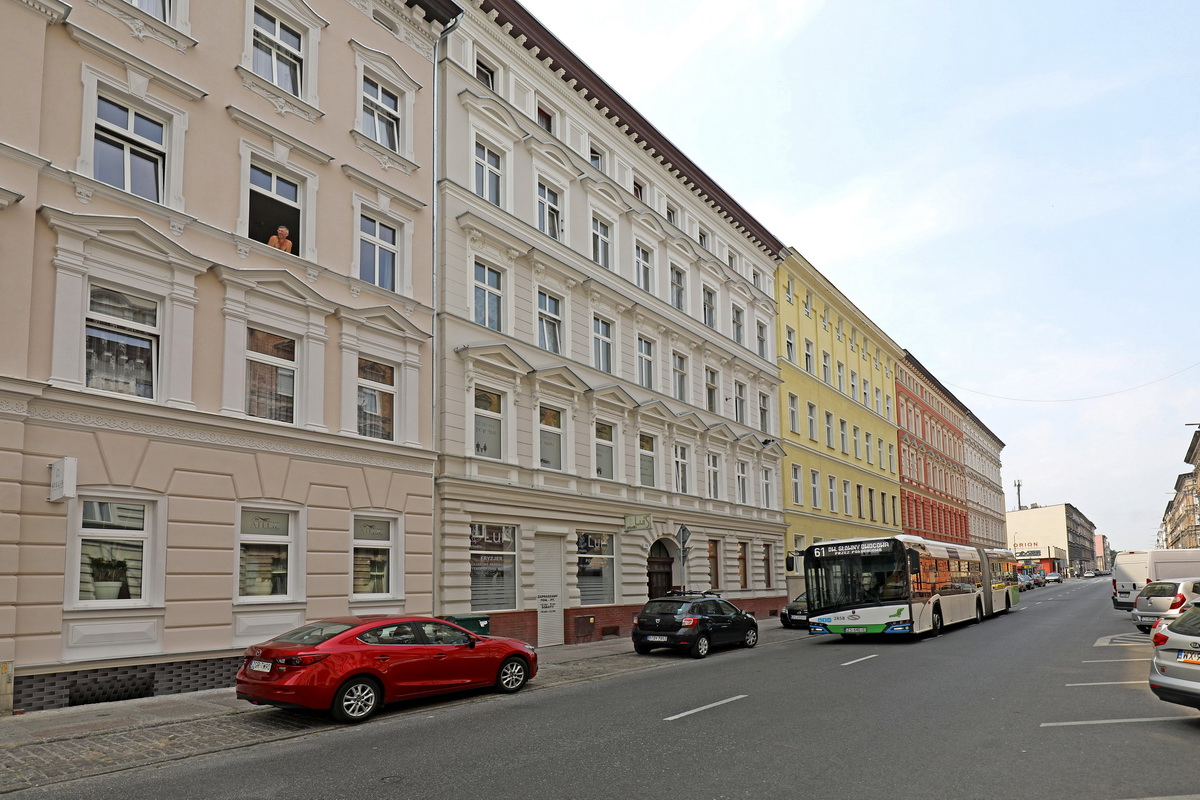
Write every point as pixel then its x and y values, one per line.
pixel 764 412
pixel 828 429
pixel 549 322
pixel 596 157
pixel 679 376
pixel 866 395
pixel 709 304
pixel 857 449
pixel 376 558
pixel 639 191
pixel 853 384
pixel 731 258
pixel 738 324
pixel 600 243
pixel 808 304
pixel 278 52
pixel 485 75
pixel 841 377
pixel 825 372
pixel 605 462
pixel 845 439
pixel 155 8
pixel 812 421
pixel 739 402
pixel 121 342
pixel 887 405
pixel 879 448
pixel 891 462
pixel 114 550
pixel 681 469
pixel 270 376
pixel 743 557
pixel 549 213
pixel 768 564
pixel 793 413
pixel 596 568
pixel 380 114
pixel 545 120
pixel 809 366
pixel 129 149
pixel 846 498
pixel 645 361
pixel 789 290
pixel 377 252
pixel 678 288
pixel 489 424
pixel 789 345
pixel 550 437
pixel 266 558
pixel 714 563
pixel 602 344
pixel 878 400
pixel 487 296
pixel 858 498
pixel 274 204
pixel 376 399
pixel 643 266
pixel 487 174
pixel 760 338
pixel 712 389
pixel 673 215
pixel 871 503
pixel 493 557
pixel 833 494
pixel 647 466
pixel 868 445
pixel 814 486
pixel 714 475
pixel 797 490
pixel 702 238
pixel 768 480
pixel 743 482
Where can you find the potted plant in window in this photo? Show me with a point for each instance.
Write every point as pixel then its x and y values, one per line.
pixel 108 576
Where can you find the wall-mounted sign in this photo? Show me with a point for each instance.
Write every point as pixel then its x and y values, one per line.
pixel 637 522
pixel 62 479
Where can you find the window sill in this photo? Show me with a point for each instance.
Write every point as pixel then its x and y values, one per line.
pixel 143 26
pixel 284 102
pixel 112 608
pixel 387 158
pixel 86 188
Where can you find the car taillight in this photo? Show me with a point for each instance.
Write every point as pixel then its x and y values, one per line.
pixel 1178 601
pixel 1159 639
pixel 688 622
pixel 301 661
pixel 1114 587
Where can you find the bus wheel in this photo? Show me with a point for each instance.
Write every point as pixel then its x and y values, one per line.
pixel 936 630
pixel 978 613
pixel 1007 604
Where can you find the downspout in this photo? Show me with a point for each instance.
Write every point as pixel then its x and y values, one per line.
pixel 435 342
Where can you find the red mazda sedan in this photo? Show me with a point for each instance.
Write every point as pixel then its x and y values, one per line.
pixel 353 665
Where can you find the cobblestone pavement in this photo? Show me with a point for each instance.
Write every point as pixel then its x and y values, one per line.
pixel 48 747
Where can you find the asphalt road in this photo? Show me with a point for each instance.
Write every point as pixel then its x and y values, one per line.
pixel 1048 701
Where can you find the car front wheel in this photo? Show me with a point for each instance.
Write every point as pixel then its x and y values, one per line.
pixel 700 647
pixel 514 672
pixel 642 649
pixel 356 700
pixel 751 638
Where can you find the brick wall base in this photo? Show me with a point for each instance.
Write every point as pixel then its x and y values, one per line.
pixel 81 687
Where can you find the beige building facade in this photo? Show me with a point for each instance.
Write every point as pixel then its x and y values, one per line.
pixel 211 429
pixel 984 488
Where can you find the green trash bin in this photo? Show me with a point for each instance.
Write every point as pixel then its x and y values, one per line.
pixel 476 623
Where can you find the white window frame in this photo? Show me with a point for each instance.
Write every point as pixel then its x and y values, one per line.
pixel 713 467
pixel 814 485
pixel 742 480
pixel 401 249
pixel 484 290
pixel 812 421
pixel 643 267
pixel 737 324
pixel 151 538
pixel 547 433
pixel 739 402
pixel 389 390
pixel 708 306
pixel 768 481
pixel 487 177
pixel 828 429
pixel 712 390
pixel 550 319
pixel 793 413
pixel 832 481
pixel 679 376
pixel 306 202
pixel 679 288
pixel 119 328
pixel 549 209
pixel 645 362
pixel 500 419
pixel 809 358
pixel 760 337
pixel 293 540
pixel 846 508
pixel 392 587
pixel 648 460
pixel 797 485
pixel 601 242
pixel 681 456
pixel 603 338
pixel 389 75
pixel 299 16
pixel 789 344
pixel 611 444
pixel 764 412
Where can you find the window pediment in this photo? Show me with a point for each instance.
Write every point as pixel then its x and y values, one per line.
pixel 493 113
pixel 498 357
pixel 94 235
pixel 613 395
pixel 385 320
pixel 562 378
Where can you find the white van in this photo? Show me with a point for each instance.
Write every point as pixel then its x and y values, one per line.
pixel 1133 569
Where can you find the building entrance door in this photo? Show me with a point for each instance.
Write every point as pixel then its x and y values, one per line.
pixel 548 584
pixel 659 568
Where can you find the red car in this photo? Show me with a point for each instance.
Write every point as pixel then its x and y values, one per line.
pixel 353 665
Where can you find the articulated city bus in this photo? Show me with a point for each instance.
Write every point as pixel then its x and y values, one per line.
pixel 904 584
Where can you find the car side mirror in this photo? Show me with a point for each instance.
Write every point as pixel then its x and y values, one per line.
pixel 471 640
pixel 790 563
pixel 914 562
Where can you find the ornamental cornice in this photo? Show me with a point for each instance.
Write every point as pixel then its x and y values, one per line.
pixel 68 417
pixel 283 102
pixel 8 197
pixel 278 137
pixel 53 10
pixel 381 189
pixel 132 63
pixel 142 26
pixel 419 34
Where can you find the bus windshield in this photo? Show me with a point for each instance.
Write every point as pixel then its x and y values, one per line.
pixel 856 577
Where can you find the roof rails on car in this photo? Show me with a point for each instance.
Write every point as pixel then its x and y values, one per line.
pixel 692 593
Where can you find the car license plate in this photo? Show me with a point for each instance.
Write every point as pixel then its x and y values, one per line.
pixel 1122 594
pixel 260 666
pixel 656 638
pixel 855 630
pixel 1188 656
pixel 1147 619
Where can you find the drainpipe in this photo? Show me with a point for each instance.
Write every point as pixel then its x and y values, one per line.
pixel 435 342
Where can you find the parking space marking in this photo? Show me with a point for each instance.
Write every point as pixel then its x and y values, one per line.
pixel 1106 683
pixel 1112 721
pixel 857 660
pixel 1112 660
pixel 704 708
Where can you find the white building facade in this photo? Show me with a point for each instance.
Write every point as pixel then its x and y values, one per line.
pixel 985 490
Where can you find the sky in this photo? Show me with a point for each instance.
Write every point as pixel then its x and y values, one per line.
pixel 1009 189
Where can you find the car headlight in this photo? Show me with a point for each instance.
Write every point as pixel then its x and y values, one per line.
pixel 531 648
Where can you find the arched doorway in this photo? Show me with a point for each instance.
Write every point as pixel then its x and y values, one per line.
pixel 660 566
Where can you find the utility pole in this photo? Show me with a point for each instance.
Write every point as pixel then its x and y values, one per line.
pixel 1017 483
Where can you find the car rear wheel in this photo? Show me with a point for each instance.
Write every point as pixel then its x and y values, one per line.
pixel 751 638
pixel 356 700
pixel 787 624
pixel 642 649
pixel 514 672
pixel 700 647
pixel 1144 628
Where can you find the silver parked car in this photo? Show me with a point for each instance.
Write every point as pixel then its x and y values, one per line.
pixel 1165 598
pixel 1175 668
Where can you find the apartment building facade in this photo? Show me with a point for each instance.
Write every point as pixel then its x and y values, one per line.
pixel 984 489
pixel 837 413
pixel 932 475
pixel 217 380
pixel 1058 538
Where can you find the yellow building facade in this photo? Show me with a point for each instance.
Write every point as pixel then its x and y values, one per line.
pixel 838 414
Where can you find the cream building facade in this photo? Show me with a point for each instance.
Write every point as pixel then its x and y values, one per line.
pixel 606 395
pixel 207 439
pixel 837 413
pixel 984 488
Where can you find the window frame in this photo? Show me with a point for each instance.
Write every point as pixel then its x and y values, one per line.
pixel 391 390
pixel 602 343
pixel 493 297
pixel 548 429
pixel 499 418
pixel 293 542
pixel 601 242
pixel 151 539
pixel 550 320
pixel 393 586
pixel 277 363
pixel 645 363
pixel 93 319
pixel 611 444
pixel 488 182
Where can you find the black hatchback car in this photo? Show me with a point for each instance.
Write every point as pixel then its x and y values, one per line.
pixel 692 621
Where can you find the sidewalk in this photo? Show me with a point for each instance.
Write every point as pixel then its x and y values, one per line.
pixel 46 747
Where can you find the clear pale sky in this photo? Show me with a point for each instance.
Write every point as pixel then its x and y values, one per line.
pixel 1009 189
